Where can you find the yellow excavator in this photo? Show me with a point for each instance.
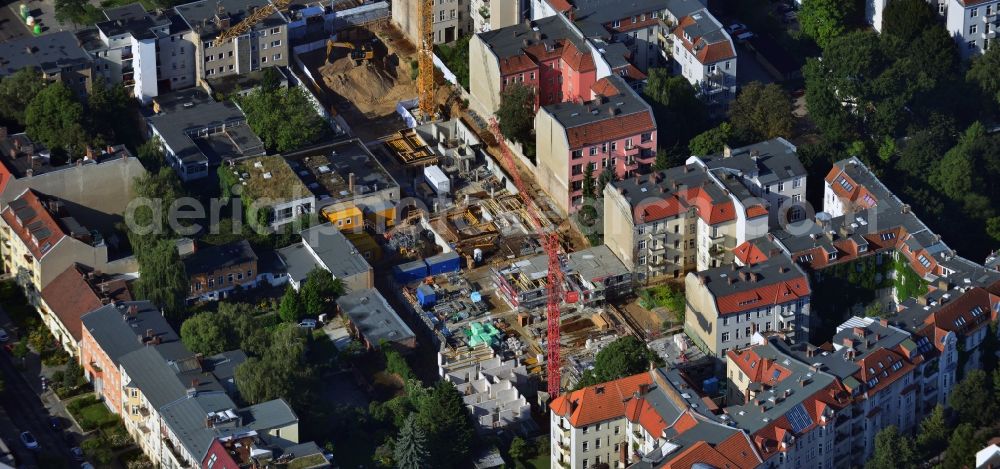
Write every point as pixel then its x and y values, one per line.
pixel 360 53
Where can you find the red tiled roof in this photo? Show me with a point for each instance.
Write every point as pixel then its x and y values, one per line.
pixel 610 129
pixel 599 402
pixel 757 369
pixel 516 64
pixel 749 254
pixel 604 87
pixel 33 223
pixel 773 294
pixel 69 296
pixel 577 60
pixel 705 52
pixel 711 213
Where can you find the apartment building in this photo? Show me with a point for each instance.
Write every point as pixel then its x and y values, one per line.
pixel 147 52
pixel 726 306
pixel 770 170
pixel 488 15
pixel 264 45
pixel 114 330
pixel 974 24
pixel 75 292
pixel 614 132
pixel 57 56
pixel 588 426
pixel 214 272
pixel 198 133
pixel 44 238
pixel 704 53
pixel 452 19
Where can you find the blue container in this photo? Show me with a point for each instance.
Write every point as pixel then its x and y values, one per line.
pixel 410 272
pixel 444 263
pixel 426 296
pixel 710 385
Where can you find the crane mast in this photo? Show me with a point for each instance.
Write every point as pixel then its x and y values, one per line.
pixel 549 238
pixel 425 59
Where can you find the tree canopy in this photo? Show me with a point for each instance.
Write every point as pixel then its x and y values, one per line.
pixel 16 92
pixel 625 356
pixel 823 20
pixel 517 112
pixel 55 119
pixel 892 451
pixel 762 112
pixel 283 118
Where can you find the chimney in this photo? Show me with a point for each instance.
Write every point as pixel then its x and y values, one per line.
pixel 726 151
pixel 350 183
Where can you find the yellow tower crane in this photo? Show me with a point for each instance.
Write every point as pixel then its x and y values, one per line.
pixel 253 18
pixel 425 59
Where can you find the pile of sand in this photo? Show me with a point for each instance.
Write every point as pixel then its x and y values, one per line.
pixel 370 86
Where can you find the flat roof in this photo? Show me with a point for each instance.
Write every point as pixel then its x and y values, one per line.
pixel 269 177
pixel 326 171
pixel 49 53
pixel 369 311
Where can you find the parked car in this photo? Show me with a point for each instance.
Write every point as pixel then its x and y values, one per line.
pixel 29 441
pixel 4 336
pixel 308 324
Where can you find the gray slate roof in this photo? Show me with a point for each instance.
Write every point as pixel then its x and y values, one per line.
pixel 334 251
pixel 118 336
pixel 375 319
pixel 49 53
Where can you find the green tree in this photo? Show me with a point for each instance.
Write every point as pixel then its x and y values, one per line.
pixel 625 356
pixel 283 118
pixel 17 91
pixel 933 435
pixel 983 72
pixel 151 155
pixel 906 20
pixel 162 279
pixel 203 333
pixel 962 447
pixel 712 140
pixel 675 106
pixel 588 181
pixel 520 450
pixel 892 450
pixel 55 119
pixel 318 290
pixel 969 400
pixel 516 113
pixel 450 434
pixel 410 451
pixel 762 112
pixel 292 308
pixel 824 20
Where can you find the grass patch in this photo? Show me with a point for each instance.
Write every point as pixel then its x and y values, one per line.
pixel 91 413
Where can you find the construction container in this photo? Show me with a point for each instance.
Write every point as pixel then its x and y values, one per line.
pixel 410 272
pixel 437 179
pixel 444 263
pixel 426 296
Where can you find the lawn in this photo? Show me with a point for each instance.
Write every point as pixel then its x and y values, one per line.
pixel 91 413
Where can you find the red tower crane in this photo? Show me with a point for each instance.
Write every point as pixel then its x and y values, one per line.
pixel 549 238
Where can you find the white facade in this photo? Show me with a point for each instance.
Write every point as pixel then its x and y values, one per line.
pixel 973 24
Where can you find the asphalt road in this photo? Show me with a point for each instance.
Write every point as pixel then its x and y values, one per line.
pixel 25 412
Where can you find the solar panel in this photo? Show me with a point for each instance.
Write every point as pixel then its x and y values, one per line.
pixel 798 418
